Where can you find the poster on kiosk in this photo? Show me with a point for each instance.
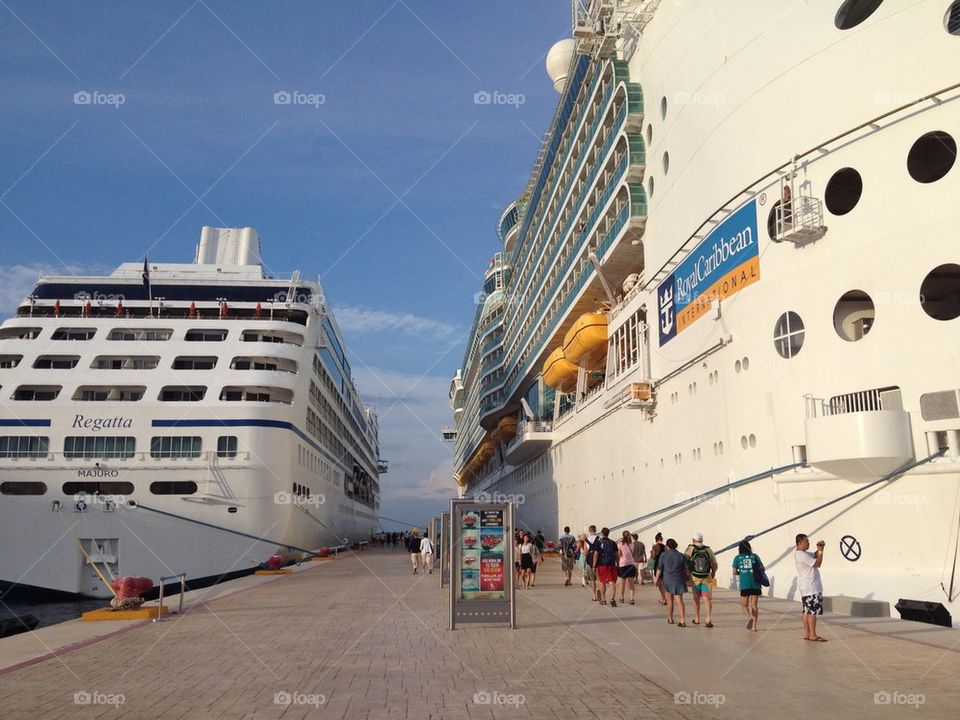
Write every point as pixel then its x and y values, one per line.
pixel 481 563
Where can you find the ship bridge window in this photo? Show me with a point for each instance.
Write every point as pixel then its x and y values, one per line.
pixel 854 12
pixel 19 333
pixel 217 335
pixel 23 446
pixel 185 362
pixel 843 191
pixel 9 361
pixel 256 394
pixel 145 334
pixel 175 447
pixel 128 362
pixel 180 393
pixel 173 487
pixel 56 362
pixel 23 487
pixel 97 447
pixel 264 363
pixel 37 393
pixel 272 336
pixel 853 315
pixel 940 292
pixel 73 334
pixel 931 156
pixel 788 335
pixel 113 393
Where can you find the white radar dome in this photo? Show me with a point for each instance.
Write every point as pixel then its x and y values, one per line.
pixel 558 62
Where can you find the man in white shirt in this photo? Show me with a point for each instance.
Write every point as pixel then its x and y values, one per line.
pixel 426 552
pixel 809 584
pixel 592 538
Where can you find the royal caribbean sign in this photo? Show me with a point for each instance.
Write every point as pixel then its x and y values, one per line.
pixel 723 264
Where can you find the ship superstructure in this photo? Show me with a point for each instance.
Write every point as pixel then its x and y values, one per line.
pixel 729 293
pixel 140 405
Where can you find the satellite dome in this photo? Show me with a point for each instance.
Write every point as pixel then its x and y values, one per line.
pixel 558 62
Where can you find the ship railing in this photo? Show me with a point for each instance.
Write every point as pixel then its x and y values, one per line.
pixel 183 586
pixel 872 400
pixel 799 220
pixel 118 461
pixel 206 310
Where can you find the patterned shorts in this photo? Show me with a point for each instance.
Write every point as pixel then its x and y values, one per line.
pixel 813 604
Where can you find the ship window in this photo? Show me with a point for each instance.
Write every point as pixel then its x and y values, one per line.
pixel 649 133
pixel 175 393
pixel 843 191
pixel 952 19
pixel 23 446
pixel 73 334
pixel 854 12
pixel 175 447
pixel 117 393
pixel 173 487
pixel 853 315
pixel 663 108
pixel 91 447
pixel 666 163
pixel 206 335
pixel 130 362
pixel 19 333
pixel 940 292
pixel 650 186
pixel 788 335
pixel 274 336
pixel 9 361
pixel 147 334
pixel 23 487
pixel 56 362
pixel 94 487
pixel 194 363
pixel 37 393
pixel 227 446
pixel 931 156
pixel 256 394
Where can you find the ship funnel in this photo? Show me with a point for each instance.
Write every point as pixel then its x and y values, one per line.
pixel 228 246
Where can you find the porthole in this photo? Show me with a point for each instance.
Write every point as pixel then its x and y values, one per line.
pixel 23 487
pixel 940 292
pixel 663 108
pixel 649 133
pixel 752 440
pixel 854 12
pixel 737 366
pixel 853 315
pixel 743 441
pixel 720 444
pixel 843 191
pixel 650 187
pixel 951 20
pixel 666 163
pixel 788 335
pixel 772 221
pixel 746 364
pixel 932 156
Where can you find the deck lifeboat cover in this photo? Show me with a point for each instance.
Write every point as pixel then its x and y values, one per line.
pixel 559 373
pixel 585 343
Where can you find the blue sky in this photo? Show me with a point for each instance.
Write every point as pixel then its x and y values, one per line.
pixel 383 176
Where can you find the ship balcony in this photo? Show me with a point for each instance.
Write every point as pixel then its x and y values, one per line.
pixel 532 439
pixel 862 435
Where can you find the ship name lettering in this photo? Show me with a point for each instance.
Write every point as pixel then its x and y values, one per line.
pixel 98 424
pixel 98 473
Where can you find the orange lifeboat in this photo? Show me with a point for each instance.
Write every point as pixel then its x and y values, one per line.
pixel 559 373
pixel 585 343
pixel 507 429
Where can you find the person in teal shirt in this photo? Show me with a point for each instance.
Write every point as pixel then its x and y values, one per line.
pixel 743 565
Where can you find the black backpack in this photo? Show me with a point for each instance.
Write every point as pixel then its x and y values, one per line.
pixel 700 562
pixel 569 547
pixel 607 552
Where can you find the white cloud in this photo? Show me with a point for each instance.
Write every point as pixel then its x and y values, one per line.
pixel 16 281
pixel 368 320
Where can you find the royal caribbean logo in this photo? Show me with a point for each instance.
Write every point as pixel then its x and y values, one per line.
pixel 723 264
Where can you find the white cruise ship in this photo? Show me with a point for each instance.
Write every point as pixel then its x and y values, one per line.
pixel 172 418
pixel 728 299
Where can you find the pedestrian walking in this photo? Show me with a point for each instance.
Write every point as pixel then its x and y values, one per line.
pixel 605 558
pixel 568 553
pixel 652 567
pixel 672 571
pixel 592 538
pixel 639 551
pixel 426 553
pixel 413 547
pixel 539 540
pixel 527 549
pixel 703 570
pixel 747 567
pixel 581 558
pixel 627 567
pixel 537 561
pixel 810 585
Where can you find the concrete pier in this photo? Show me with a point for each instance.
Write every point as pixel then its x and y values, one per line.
pixel 362 637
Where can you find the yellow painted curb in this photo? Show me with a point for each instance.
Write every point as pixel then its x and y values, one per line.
pixel 317 557
pixel 282 571
pixel 143 613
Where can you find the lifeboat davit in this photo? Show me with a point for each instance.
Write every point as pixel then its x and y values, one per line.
pixel 559 373
pixel 585 343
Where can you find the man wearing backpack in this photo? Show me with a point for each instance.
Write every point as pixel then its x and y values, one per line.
pixel 568 551
pixel 703 568
pixel 605 557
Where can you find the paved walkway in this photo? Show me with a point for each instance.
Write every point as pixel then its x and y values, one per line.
pixel 362 637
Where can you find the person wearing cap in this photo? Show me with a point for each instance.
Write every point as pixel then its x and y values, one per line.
pixel 703 569
pixel 810 585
